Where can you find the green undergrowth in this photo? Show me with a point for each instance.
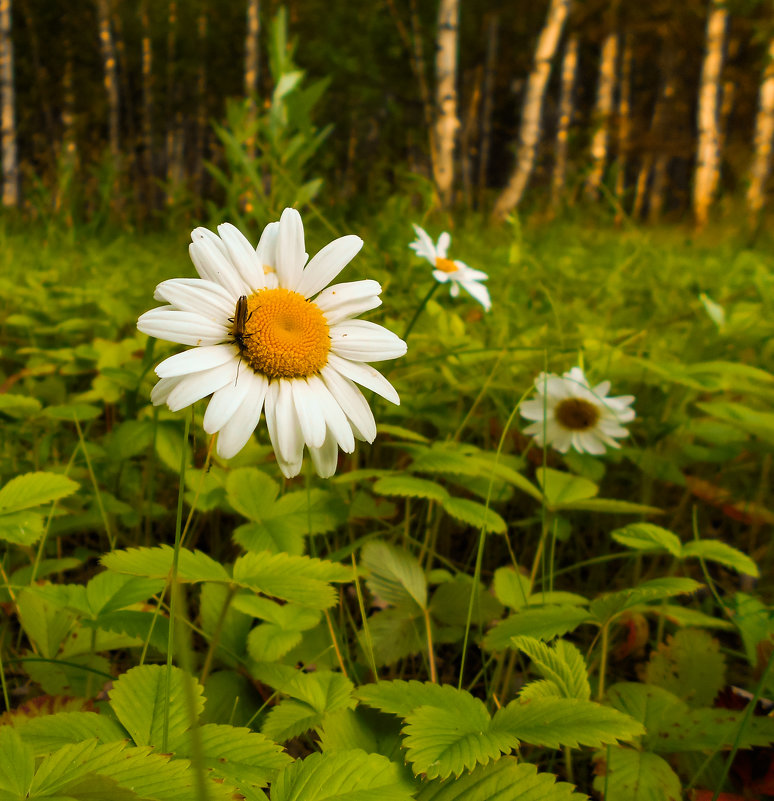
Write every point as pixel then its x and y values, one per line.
pixel 457 613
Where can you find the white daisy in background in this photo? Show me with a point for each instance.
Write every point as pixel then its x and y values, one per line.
pixel 568 413
pixel 446 270
pixel 269 336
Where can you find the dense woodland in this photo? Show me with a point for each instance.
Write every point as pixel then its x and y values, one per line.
pixel 119 102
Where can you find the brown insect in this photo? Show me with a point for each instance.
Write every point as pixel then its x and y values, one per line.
pixel 238 334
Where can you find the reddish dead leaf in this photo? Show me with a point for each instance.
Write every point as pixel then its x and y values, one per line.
pixel 637 633
pixel 708 795
pixel 747 512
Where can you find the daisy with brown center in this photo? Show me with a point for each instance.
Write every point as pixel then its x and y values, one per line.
pixel 568 413
pixel 446 270
pixel 268 336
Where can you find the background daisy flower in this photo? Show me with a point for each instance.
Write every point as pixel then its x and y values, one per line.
pixel 446 270
pixel 568 413
pixel 295 352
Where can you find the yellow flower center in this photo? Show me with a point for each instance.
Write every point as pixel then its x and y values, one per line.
pixel 285 335
pixel 576 414
pixel 445 265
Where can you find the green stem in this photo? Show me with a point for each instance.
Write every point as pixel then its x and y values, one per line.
pixel 97 495
pixel 419 310
pixel 603 662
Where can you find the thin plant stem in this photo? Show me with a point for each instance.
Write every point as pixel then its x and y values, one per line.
pixel 568 763
pixel 205 468
pixel 430 655
pixel 173 583
pixel 2 672
pixel 369 649
pixel 97 494
pixel 603 661
pixel 419 310
pixel 216 634
pixel 335 643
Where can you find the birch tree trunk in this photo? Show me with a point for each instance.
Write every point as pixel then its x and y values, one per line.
pixel 764 137
pixel 111 79
pixel 624 121
pixel 469 130
pixel 487 103
pixel 708 148
pixel 251 64
pixel 7 101
pixel 532 111
pixel 603 112
pixel 447 122
pixel 566 100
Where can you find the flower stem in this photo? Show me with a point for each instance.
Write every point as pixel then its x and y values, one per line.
pixel 419 311
pixel 603 662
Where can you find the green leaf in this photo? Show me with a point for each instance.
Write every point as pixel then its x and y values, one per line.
pixel 646 703
pixel 34 489
pixel 716 551
pixel 17 763
pixel 629 775
pixel 474 514
pixel 396 575
pixel 710 730
pixel 564 489
pixel 608 606
pixel 410 487
pixel 451 599
pixel 108 592
pixel 18 405
pixel 543 623
pixel 342 776
pixel 219 613
pixel 685 616
pixel 47 733
pixel 193 566
pixel 300 579
pixel 21 528
pixel 43 621
pixel 367 729
pixel 690 665
pixel 251 492
pixel 139 698
pixel 441 741
pixel 612 506
pixel 562 663
pixel 557 722
pixel 396 633
pixel 402 697
pixel 268 536
pixel 507 779
pixel 647 537
pixel 511 587
pixel 754 621
pixel 761 424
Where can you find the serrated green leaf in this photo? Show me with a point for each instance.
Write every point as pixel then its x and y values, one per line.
pixel 629 775
pixel 219 613
pixel 710 730
pixel 716 551
pixel 511 587
pixel 21 528
pixel 47 733
pixel 543 623
pixel 761 424
pixel 395 633
pixel 17 763
pixel 647 537
pixel 269 536
pixel 646 703
pixel 474 514
pixel 396 575
pixel 34 489
pixel 507 779
pixel 108 592
pixel 363 728
pixel 451 600
pixel 685 616
pixel 251 492
pixel 399 432
pixel 608 606
pixel 563 489
pixel 402 697
pixel 269 642
pixel 18 405
pixel 690 665
pixel 410 487
pixel 139 699
pixel 342 776
pixel 193 566
pixel 557 722
pixel 562 663
pixel 754 621
pixel 43 621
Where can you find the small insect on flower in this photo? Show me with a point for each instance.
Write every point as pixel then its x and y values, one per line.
pixel 456 273
pixel 296 338
pixel 568 413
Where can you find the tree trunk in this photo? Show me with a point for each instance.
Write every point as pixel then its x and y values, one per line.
pixel 7 101
pixel 603 113
pixel 487 103
pixel 252 63
pixel 420 70
pixel 148 160
pixel 111 79
pixel 566 99
pixel 624 122
pixel 170 139
pixel 447 123
pixel 469 130
pixel 764 136
pixel 201 102
pixel 532 111
pixel 708 149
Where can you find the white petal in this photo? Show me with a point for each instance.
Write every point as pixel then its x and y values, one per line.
pixel 161 390
pixel 424 246
pixel 364 341
pixel 185 328
pixel 225 402
pixel 243 256
pixel 536 409
pixel 326 458
pixel 454 290
pixel 205 233
pixel 562 441
pixel 441 276
pixel 336 421
pixel 352 402
pixel 210 263
pixel 327 264
pixel 239 428
pixel 612 429
pixel 197 295
pixel 479 292
pixel 289 435
pixel 196 386
pixel 366 376
pixel 442 248
pixel 309 413
pixel 576 378
pixel 290 249
pixel 601 390
pixel 343 301
pixel 469 274
pixel 195 360
pixel 266 251
pixel 591 443
pixel 535 429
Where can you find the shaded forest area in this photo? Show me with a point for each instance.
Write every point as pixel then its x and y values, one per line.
pixel 131 108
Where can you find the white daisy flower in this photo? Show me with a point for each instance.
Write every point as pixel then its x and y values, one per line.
pixel 269 336
pixel 446 270
pixel 568 413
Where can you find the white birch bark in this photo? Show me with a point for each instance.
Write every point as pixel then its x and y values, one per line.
pixel 251 64
pixel 624 120
pixel 447 122
pixel 532 111
pixel 8 113
pixel 603 113
pixel 566 108
pixel 708 149
pixel 764 138
pixel 111 78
